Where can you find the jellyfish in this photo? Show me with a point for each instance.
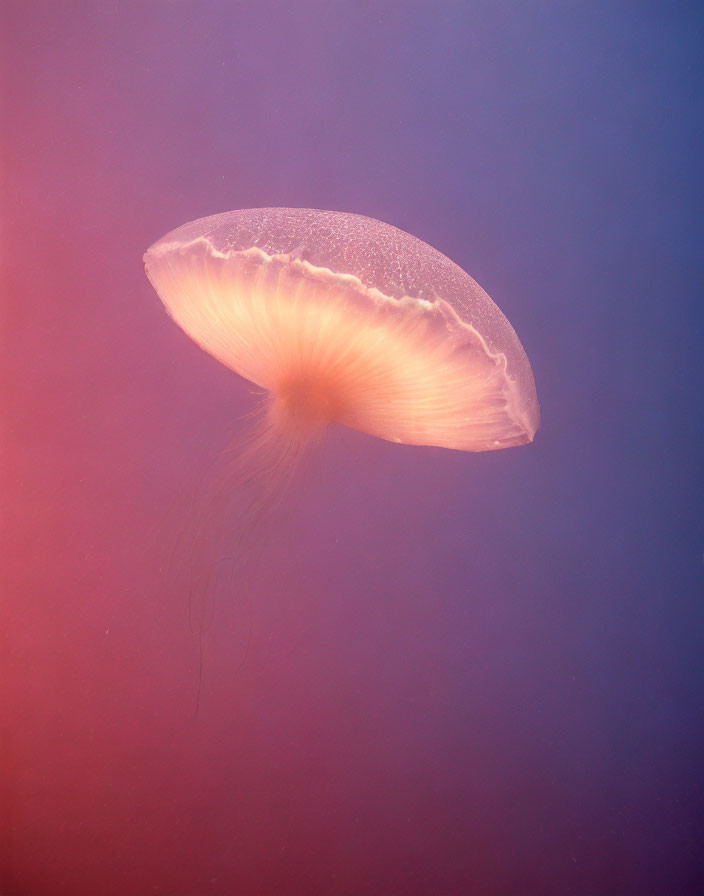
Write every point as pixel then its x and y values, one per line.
pixel 342 319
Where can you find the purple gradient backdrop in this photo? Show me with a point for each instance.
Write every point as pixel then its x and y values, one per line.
pixel 467 673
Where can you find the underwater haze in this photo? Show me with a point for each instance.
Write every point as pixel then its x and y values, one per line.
pixel 438 672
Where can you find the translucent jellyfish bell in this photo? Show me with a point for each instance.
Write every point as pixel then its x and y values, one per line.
pixel 347 319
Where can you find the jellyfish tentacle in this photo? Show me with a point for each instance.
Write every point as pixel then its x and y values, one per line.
pixel 250 481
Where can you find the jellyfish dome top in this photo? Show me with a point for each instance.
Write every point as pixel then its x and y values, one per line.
pixel 345 319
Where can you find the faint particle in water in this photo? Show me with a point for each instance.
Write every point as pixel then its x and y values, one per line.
pixel 345 319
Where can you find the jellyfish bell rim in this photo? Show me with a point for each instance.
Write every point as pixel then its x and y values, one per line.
pixel 180 247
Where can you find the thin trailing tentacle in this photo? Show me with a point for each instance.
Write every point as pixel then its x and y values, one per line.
pixel 251 479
